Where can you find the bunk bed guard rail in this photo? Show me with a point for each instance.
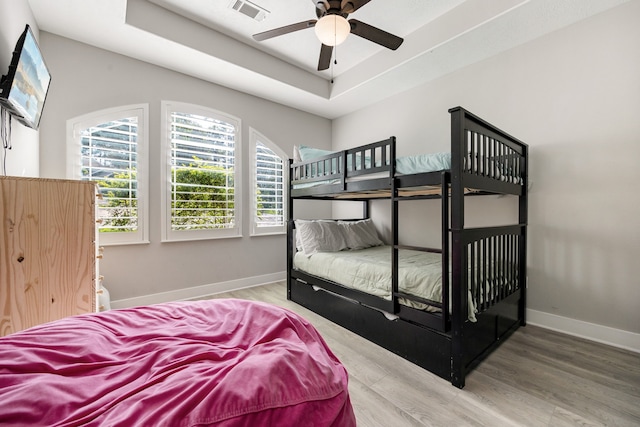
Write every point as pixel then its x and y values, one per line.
pixel 329 173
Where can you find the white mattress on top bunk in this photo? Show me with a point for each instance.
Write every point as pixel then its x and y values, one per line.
pixel 369 270
pixel 420 163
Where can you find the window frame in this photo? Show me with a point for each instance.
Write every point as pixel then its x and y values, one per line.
pixel 74 164
pixel 256 137
pixel 168 234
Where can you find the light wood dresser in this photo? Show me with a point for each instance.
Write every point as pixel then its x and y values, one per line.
pixel 48 250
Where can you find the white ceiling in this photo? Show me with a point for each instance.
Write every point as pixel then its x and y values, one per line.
pixel 401 17
pixel 209 40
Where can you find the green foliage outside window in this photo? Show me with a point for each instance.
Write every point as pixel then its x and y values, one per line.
pixel 202 196
pixel 121 205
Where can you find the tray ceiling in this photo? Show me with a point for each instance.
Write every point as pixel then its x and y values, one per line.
pixel 210 40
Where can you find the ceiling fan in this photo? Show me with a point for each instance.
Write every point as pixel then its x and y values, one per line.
pixel 332 28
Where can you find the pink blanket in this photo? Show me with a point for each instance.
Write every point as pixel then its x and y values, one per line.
pixel 205 363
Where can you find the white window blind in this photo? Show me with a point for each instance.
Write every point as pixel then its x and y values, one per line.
pixel 269 189
pixel 202 170
pixel 107 149
pixel 109 157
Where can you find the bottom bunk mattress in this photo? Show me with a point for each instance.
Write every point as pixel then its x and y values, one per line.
pixel 220 362
pixel 369 270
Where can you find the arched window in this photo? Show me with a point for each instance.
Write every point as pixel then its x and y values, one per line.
pixel 110 147
pixel 269 167
pixel 201 173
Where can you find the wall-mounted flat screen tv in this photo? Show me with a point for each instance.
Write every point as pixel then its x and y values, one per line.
pixel 24 88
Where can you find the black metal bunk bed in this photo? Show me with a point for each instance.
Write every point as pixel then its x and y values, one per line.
pixel 487 265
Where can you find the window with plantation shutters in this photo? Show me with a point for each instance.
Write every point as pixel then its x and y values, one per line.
pixel 269 195
pixel 201 171
pixel 109 147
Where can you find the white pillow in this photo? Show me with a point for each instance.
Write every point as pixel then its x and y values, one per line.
pixel 298 242
pixel 320 236
pixel 360 234
pixel 310 153
pixel 296 154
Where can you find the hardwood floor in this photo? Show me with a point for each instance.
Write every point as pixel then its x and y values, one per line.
pixel 536 378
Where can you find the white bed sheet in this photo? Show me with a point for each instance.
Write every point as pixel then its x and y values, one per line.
pixel 369 270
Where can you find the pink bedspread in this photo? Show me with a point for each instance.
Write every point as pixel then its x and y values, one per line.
pixel 218 362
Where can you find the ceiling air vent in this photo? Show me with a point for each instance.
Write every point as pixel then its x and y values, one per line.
pixel 250 9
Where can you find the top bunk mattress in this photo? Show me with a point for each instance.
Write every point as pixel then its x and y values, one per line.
pixel 313 168
pixel 405 165
pixel 359 167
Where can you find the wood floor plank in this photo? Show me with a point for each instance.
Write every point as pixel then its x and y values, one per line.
pixel 490 394
pixel 374 410
pixel 543 378
pixel 603 364
pixel 417 392
pixel 535 378
pixel 563 418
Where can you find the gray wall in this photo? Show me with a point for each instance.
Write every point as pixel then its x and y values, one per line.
pixel 574 97
pixel 87 79
pixel 22 159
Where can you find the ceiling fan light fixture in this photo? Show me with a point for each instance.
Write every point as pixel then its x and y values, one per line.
pixel 332 30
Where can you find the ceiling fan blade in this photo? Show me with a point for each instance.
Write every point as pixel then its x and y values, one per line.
pixel 350 6
pixel 375 35
pixel 322 5
pixel 284 30
pixel 325 57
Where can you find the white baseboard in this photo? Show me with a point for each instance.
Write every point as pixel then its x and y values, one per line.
pixel 598 333
pixel 199 291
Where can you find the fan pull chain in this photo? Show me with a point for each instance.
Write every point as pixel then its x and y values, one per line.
pixel 335 61
pixel 335 48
